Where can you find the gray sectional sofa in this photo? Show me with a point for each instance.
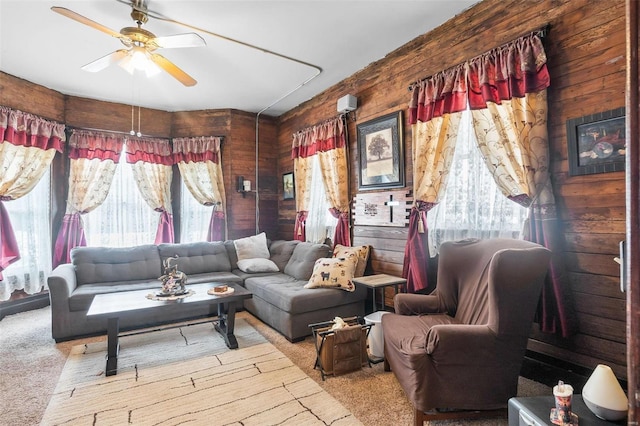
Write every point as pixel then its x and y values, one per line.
pixel 279 298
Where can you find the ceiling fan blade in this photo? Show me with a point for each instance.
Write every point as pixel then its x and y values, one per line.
pixel 105 61
pixel 173 69
pixel 83 20
pixel 179 40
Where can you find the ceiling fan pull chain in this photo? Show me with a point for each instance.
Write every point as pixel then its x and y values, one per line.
pixel 132 132
pixel 139 132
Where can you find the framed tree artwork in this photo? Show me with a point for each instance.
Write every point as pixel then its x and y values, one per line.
pixel 381 153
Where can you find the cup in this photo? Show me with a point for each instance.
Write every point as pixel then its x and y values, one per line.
pixel 562 393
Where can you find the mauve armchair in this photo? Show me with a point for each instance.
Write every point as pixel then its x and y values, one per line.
pixel 457 352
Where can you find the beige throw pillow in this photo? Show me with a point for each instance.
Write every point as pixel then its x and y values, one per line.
pixel 252 247
pixel 258 264
pixel 333 272
pixel 361 253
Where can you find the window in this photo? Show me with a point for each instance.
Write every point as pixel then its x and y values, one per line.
pixel 473 206
pixel 320 222
pixel 124 219
pixel 194 217
pixel 30 221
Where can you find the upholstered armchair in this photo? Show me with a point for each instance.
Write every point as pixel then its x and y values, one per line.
pixel 457 352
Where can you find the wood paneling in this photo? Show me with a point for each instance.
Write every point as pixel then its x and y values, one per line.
pixel 585 48
pixel 239 159
pixel 89 113
pixel 238 151
pixel 25 96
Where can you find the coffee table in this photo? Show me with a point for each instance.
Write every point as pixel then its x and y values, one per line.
pixel 112 306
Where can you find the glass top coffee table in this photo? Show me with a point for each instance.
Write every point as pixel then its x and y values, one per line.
pixel 112 306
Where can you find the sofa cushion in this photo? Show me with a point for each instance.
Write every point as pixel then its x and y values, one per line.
pixel 244 275
pixel 333 272
pixel 289 295
pixel 304 256
pixel 281 252
pixel 109 265
pixel 257 265
pixel 252 247
pixel 231 252
pixel 213 277
pixel 361 253
pixel 197 258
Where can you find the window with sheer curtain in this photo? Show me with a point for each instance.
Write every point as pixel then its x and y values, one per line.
pixel 473 206
pixel 320 222
pixel 194 217
pixel 30 220
pixel 124 219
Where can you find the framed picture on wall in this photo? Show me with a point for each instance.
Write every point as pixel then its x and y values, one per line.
pixel 597 143
pixel 288 187
pixel 381 153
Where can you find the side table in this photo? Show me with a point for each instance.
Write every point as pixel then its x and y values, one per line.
pixel 377 281
pixel 535 410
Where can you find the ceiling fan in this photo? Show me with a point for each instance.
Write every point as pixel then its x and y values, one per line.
pixel 141 45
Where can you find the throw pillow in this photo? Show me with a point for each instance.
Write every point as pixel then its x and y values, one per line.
pixel 252 247
pixel 333 272
pixel 258 264
pixel 361 253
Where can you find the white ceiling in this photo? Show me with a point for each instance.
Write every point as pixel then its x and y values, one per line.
pixel 340 37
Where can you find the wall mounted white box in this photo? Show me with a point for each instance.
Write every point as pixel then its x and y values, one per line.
pixel 347 103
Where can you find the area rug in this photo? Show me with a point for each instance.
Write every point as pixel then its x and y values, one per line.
pixel 187 375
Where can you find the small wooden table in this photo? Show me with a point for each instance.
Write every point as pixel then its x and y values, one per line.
pixel 112 306
pixel 380 281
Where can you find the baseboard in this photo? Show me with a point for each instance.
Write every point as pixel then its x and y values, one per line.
pixel 24 304
pixel 548 370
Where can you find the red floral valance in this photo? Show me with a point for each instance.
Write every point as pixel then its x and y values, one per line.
pixel 92 145
pixel 320 138
pixel 443 93
pixel 197 150
pixel 21 128
pixel 510 71
pixel 149 150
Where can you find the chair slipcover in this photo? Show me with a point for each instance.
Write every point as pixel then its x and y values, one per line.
pixel 462 346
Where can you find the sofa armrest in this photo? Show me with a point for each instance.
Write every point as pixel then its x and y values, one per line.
pixel 61 282
pixel 416 304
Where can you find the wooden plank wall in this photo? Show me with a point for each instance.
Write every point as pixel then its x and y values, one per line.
pixel 238 150
pixel 238 159
pixel 586 51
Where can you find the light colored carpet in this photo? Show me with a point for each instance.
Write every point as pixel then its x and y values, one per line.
pixel 187 375
pixel 31 363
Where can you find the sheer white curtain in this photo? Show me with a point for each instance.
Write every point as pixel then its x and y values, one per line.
pixel 30 219
pixel 194 217
pixel 124 219
pixel 320 222
pixel 473 206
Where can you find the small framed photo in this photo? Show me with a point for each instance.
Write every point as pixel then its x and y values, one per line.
pixel 288 187
pixel 381 153
pixel 597 143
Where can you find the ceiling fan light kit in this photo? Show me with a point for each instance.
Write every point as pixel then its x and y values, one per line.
pixel 139 59
pixel 141 45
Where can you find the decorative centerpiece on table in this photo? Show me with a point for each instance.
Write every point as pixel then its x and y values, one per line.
pixel 173 281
